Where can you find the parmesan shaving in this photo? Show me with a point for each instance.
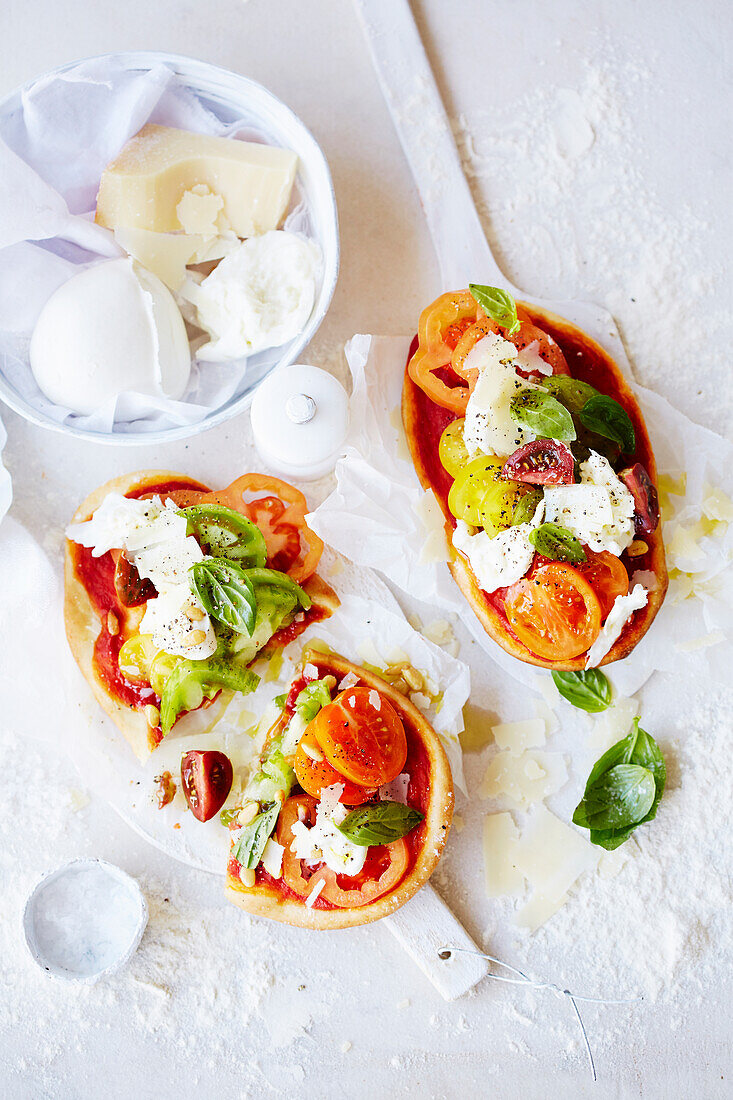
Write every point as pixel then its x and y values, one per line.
pixel 429 512
pixel 310 901
pixel 552 855
pixel 518 736
pixel 523 780
pixel 704 642
pixel 500 840
pixel 538 910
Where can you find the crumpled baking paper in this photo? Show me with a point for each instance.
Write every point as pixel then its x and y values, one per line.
pixel 6 485
pixel 45 696
pixel 52 154
pixel 374 515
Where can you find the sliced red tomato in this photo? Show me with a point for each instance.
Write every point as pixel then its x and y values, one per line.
pixel 296 808
pixel 385 868
pixel 606 575
pixel 281 528
pixel 541 462
pixel 441 326
pixel 362 736
pixel 554 612
pixel 130 587
pixel 206 777
pixel 314 772
pixel 646 500
pixel 528 334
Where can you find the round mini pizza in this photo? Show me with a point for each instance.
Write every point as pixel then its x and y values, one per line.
pixel 536 449
pixel 347 813
pixel 172 591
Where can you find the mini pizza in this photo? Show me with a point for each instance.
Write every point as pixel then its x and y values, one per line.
pixel 536 449
pixel 346 816
pixel 172 591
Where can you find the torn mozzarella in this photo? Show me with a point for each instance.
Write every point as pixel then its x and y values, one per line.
pixel 599 510
pixel 618 616
pixel 489 426
pixel 323 843
pixel 499 561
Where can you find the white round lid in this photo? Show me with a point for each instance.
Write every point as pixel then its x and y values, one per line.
pixel 300 416
pixel 84 920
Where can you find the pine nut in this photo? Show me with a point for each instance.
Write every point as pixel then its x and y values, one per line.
pixel 194 613
pixel 113 623
pixel 194 638
pixel 247 877
pixel 314 754
pixel 152 716
pixel 248 813
pixel 637 548
pixel 414 679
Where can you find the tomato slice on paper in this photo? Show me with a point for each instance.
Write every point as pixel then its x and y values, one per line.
pixel 554 612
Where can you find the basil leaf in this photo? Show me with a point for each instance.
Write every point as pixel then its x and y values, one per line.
pixel 556 542
pixel 225 533
pixel 278 585
pixel 542 414
pixel 639 750
pixel 569 391
pixel 380 823
pixel 589 690
pixel 621 797
pixel 607 418
pixel 311 699
pixel 226 592
pixel 254 837
pixel 526 507
pixel 498 305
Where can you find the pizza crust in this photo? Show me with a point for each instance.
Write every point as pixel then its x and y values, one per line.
pixel 567 336
pixel 83 622
pixel 264 901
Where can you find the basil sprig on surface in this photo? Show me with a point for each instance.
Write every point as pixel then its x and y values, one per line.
pixel 556 542
pixel 623 789
pixel 224 533
pixel 526 507
pixel 605 417
pixel 254 837
pixel 542 414
pixel 498 305
pixel 588 690
pixel 226 592
pixel 380 823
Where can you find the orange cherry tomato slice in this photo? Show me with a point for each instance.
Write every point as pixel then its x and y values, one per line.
pixel 296 808
pixel 362 736
pixel 554 612
pixel 314 774
pixel 441 326
pixel 528 333
pixel 281 541
pixel 360 890
pixel 607 577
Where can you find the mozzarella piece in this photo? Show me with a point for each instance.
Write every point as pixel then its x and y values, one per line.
pixel 272 858
pixel 489 426
pixel 323 842
pixel 499 561
pixel 599 511
pixel 153 537
pixel 259 296
pixel 618 616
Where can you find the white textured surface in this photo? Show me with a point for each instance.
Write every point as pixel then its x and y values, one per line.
pixel 596 146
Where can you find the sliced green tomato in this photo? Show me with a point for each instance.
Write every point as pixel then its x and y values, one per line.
pixel 163 665
pixel 482 498
pixel 191 682
pixel 136 657
pixel 452 449
pixel 225 533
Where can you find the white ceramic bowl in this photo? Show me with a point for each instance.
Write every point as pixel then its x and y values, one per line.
pixel 84 920
pixel 229 96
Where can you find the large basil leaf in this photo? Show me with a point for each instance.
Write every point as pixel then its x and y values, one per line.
pixel 498 305
pixel 621 797
pixel 254 837
pixel 226 592
pixel 638 749
pixel 569 391
pixel 542 414
pixel 556 542
pixel 380 823
pixel 607 418
pixel 224 533
pixel 589 690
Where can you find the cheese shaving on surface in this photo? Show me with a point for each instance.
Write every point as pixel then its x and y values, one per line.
pixel 430 514
pixel 552 855
pixel 518 736
pixel 715 637
pixel 500 839
pixel 524 779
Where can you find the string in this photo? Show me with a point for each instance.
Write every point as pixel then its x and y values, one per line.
pixel 525 980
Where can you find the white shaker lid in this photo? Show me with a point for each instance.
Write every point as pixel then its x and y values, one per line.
pixel 300 416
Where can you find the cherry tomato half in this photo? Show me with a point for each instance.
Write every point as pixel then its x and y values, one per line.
pixel 452 449
pixel 314 772
pixel 206 777
pixel 554 612
pixel 541 462
pixel 606 575
pixel 646 500
pixel 362 736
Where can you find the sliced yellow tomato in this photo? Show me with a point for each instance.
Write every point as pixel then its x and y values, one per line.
pixel 136 656
pixel 451 449
pixel 482 497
